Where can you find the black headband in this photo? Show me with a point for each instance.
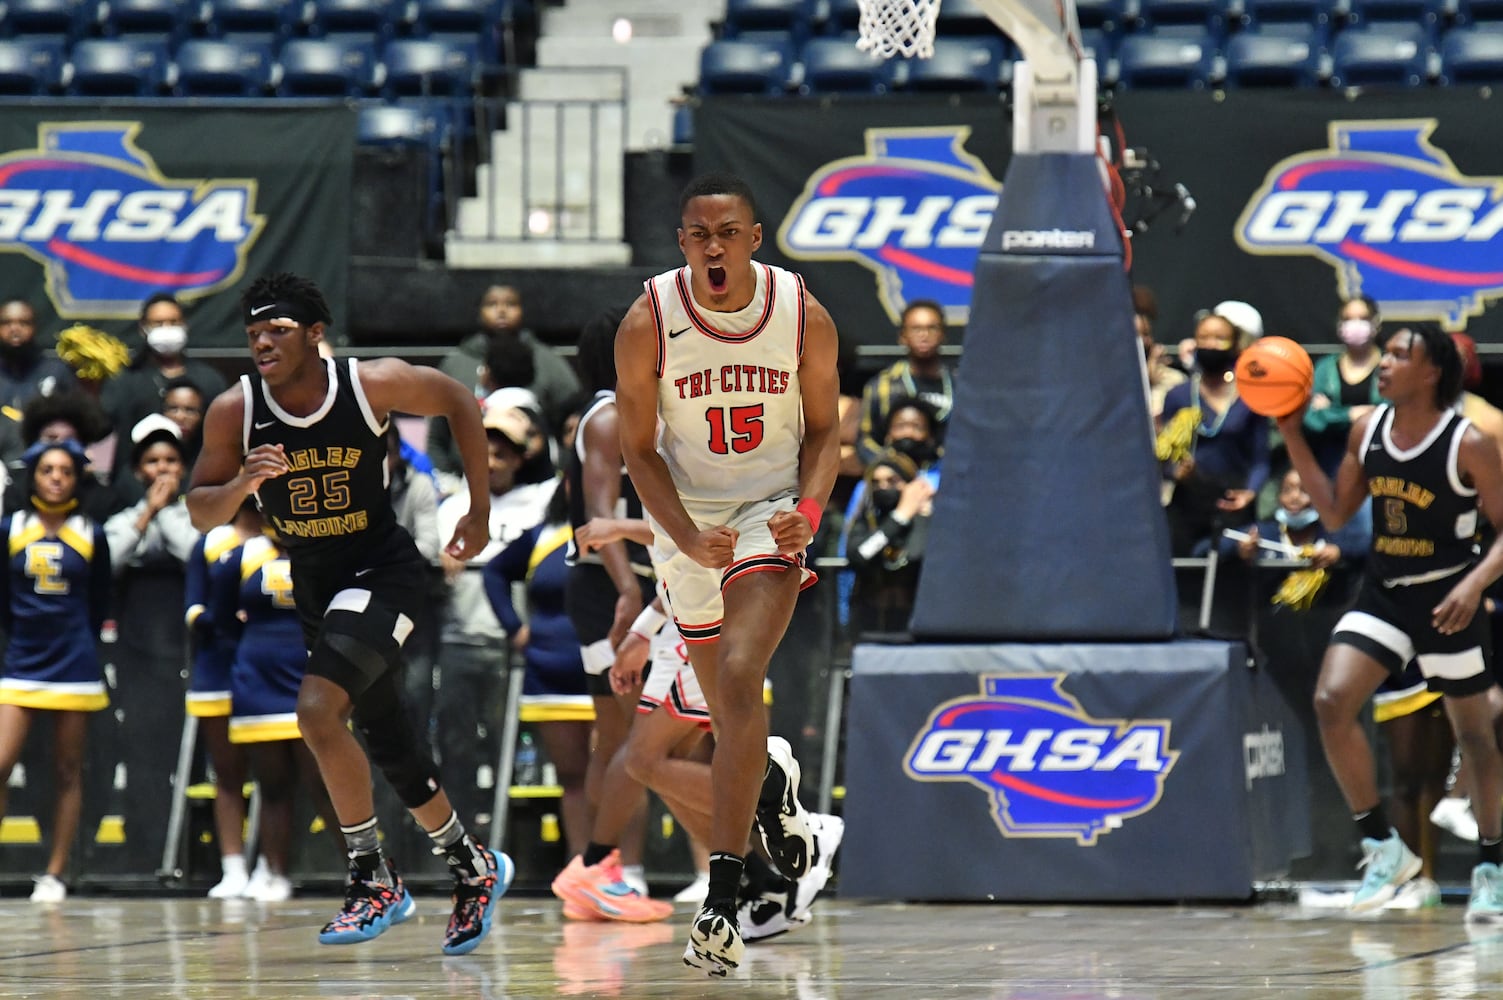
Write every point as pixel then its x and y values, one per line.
pixel 301 313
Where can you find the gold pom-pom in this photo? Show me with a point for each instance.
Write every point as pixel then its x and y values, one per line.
pixel 1302 588
pixel 1173 442
pixel 93 354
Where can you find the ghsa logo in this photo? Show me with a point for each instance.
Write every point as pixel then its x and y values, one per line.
pixel 914 210
pixel 110 229
pixel 1052 770
pixel 1392 214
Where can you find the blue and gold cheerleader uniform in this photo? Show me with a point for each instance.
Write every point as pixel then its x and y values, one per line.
pixel 57 597
pixel 270 658
pixel 213 640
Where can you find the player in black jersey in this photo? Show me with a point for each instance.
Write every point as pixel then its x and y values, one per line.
pixel 1429 473
pixel 306 435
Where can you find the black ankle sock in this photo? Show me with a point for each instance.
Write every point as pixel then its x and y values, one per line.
pixel 1374 823
pixel 465 859
pixel 595 853
pixel 1490 851
pixel 368 865
pixel 725 879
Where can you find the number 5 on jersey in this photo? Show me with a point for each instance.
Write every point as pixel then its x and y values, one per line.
pixel 744 432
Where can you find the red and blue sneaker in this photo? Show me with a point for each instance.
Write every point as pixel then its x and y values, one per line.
pixel 369 908
pixel 475 901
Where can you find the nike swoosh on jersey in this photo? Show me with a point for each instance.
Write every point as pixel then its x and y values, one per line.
pixel 262 427
pixel 675 333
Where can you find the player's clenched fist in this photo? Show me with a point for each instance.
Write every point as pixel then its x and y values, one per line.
pixel 713 548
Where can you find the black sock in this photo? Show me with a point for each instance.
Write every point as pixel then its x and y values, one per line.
pixel 1374 823
pixel 363 844
pixel 1490 851
pixel 725 879
pixel 595 853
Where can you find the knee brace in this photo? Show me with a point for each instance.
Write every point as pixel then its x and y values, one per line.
pixel 408 765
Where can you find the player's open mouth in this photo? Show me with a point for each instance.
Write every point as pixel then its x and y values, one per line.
pixel 715 275
pixel 265 361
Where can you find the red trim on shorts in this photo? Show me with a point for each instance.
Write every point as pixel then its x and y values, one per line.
pixel 709 632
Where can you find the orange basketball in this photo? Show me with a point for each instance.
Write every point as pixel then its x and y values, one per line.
pixel 1274 376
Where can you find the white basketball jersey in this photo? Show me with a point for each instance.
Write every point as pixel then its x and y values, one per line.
pixel 728 391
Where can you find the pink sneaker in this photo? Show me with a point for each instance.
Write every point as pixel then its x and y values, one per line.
pixel 598 890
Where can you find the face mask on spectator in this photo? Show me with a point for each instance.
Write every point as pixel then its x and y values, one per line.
pixel 1215 359
pixel 168 340
pixel 886 500
pixel 1295 520
pixel 1355 332
pixel 922 452
pixel 20 355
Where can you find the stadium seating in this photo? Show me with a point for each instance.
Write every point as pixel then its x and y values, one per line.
pixel 964 17
pixel 63 18
pixel 457 17
pixel 1110 16
pixel 1166 61
pixel 143 17
pixel 1208 14
pixel 118 67
pixel 250 17
pixel 959 64
pixel 1262 13
pixel 373 18
pixel 208 67
pixel 430 67
pixel 327 67
pixel 1477 11
pixel 745 66
pixel 840 17
pixel 1097 42
pixel 31 66
pixel 789 17
pixel 1273 59
pixel 1393 55
pixel 837 66
pixel 1472 55
pixel 384 124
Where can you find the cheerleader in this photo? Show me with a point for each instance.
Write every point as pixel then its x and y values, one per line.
pixel 56 598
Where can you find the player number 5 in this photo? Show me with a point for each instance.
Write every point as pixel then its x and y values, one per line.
pixel 745 431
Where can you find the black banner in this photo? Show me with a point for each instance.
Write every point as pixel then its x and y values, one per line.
pixel 102 206
pixel 1303 197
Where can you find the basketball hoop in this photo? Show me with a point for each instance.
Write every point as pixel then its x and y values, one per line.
pixel 898 27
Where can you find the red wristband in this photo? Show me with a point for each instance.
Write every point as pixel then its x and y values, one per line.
pixel 812 511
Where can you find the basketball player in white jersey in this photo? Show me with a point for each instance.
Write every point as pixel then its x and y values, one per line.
pixel 727 399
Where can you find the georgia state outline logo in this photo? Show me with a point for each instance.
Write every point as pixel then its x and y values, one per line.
pixel 1392 214
pixel 1050 768
pixel 913 209
pixel 109 228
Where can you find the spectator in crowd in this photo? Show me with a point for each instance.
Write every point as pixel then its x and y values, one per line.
pixel 254 597
pixel 64 416
pixel 1162 376
pixel 52 618
pixel 501 318
pixel 886 543
pixel 555 677
pixel 1215 448
pixel 26 370
pixel 183 403
pixel 150 543
pixel 1486 417
pixel 923 375
pixel 138 391
pixel 212 642
pixel 472 648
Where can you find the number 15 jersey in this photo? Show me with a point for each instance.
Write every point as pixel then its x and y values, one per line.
pixel 730 412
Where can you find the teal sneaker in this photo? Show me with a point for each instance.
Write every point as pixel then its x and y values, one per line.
pixel 1389 864
pixel 1486 904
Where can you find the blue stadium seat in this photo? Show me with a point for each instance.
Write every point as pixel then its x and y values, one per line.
pixel 1166 61
pixel 841 17
pixel 745 66
pixel 1261 13
pixel 1107 15
pixel 458 17
pixel 31 66
pixel 327 67
pixel 63 18
pixel 683 125
pixel 250 17
pixel 429 67
pixel 756 17
pixel 375 18
pixel 964 63
pixel 1202 13
pixel 1477 11
pixel 118 67
pixel 1097 42
pixel 144 17
pixel 836 66
pixel 396 125
pixel 1273 59
pixel 1390 54
pixel 209 67
pixel 1429 13
pixel 1472 55
pixel 964 17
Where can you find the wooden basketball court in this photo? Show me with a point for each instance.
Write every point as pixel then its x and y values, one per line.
pixel 109 947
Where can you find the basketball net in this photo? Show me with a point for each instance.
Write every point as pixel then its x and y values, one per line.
pixel 898 27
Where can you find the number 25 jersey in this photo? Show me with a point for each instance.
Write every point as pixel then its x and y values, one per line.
pixel 730 412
